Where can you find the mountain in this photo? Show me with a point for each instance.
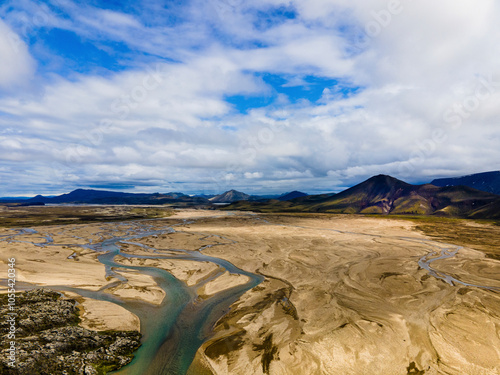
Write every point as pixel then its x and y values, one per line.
pixel 80 196
pixel 230 197
pixel 487 181
pixel 5 199
pixel 176 194
pixel 206 196
pixel 387 195
pixel 292 195
pixel 489 211
pixel 380 194
pixel 90 196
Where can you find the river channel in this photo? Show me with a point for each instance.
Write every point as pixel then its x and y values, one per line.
pixel 174 330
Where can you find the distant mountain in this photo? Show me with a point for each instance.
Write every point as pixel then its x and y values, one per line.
pixel 292 195
pixel 5 199
pixel 230 197
pixel 387 195
pixel 90 196
pixel 206 196
pixel 81 196
pixel 487 181
pixel 176 195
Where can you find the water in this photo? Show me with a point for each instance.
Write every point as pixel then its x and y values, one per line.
pixel 426 260
pixel 174 330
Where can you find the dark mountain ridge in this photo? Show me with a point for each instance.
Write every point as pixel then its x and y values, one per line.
pixel 291 195
pixel 486 181
pixel 380 194
pixel 90 196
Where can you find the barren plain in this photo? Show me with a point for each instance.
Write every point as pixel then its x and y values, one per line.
pixel 340 294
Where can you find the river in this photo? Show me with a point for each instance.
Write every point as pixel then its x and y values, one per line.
pixel 174 330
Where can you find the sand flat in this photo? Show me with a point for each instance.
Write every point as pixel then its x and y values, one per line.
pixel 223 282
pixel 103 316
pixel 357 303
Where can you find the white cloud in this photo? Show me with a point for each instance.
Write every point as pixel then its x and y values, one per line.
pixel 252 175
pixel 17 65
pixel 172 127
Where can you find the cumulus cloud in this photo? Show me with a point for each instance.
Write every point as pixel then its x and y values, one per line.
pixel 408 89
pixel 17 64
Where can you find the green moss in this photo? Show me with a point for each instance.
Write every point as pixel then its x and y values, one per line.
pixel 373 210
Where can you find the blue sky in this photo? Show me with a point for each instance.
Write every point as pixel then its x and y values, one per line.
pixel 265 96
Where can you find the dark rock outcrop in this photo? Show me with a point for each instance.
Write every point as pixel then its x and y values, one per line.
pixel 50 342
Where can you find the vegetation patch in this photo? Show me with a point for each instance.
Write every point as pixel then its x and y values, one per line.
pixel 413 370
pixel 476 235
pixel 20 216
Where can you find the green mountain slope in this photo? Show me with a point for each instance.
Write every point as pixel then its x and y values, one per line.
pixel 387 195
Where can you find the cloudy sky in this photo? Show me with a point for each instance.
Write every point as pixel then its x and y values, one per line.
pixel 262 96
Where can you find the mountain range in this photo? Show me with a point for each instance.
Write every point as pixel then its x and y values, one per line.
pixel 291 195
pixel 384 194
pixel 90 196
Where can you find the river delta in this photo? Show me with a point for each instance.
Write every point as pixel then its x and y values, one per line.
pixel 240 293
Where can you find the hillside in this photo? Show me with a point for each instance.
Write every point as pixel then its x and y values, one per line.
pixel 487 181
pixel 387 195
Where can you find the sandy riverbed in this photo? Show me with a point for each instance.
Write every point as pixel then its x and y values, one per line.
pixel 342 294
pixel 352 302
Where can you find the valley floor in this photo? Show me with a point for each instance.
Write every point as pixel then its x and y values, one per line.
pixel 341 294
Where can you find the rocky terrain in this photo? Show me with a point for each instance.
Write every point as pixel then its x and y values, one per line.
pixel 49 340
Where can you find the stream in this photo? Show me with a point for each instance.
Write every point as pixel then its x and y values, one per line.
pixel 426 260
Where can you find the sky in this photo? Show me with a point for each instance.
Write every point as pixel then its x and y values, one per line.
pixel 263 96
